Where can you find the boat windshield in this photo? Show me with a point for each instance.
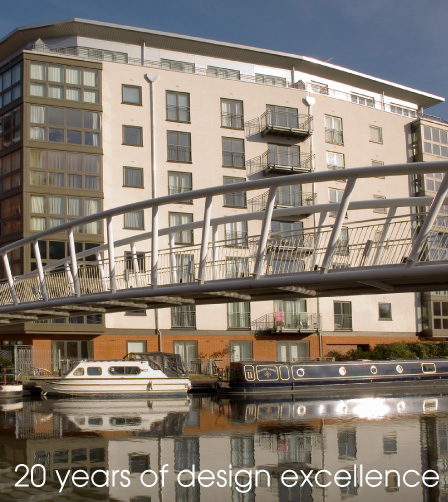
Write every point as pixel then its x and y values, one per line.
pixel 171 364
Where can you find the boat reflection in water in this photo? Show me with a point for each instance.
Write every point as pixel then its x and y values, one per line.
pixel 399 433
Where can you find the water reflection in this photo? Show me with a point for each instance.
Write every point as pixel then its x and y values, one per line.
pixel 257 436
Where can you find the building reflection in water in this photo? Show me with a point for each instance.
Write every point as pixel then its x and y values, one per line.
pixel 207 433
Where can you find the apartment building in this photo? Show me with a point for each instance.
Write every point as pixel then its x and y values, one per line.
pixel 75 139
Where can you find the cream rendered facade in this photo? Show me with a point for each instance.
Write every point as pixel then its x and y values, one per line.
pixel 371 123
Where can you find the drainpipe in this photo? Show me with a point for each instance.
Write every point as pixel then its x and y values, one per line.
pixel 310 100
pixel 151 78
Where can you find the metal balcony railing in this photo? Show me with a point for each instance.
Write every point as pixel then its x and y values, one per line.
pixel 282 199
pixel 283 122
pixel 281 321
pixel 183 319
pixel 179 153
pixel 232 120
pixel 238 320
pixel 280 163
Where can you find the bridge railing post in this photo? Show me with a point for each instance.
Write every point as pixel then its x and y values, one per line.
pixel 71 245
pixel 337 227
pixel 154 245
pixel 384 234
pixel 215 250
pixel 111 252
pixel 10 278
pixel 173 264
pixel 205 237
pixel 135 264
pixel 265 228
pixel 40 271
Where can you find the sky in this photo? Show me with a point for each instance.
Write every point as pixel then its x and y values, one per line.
pixel 398 40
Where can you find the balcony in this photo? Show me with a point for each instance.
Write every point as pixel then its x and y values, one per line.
pixel 271 162
pixel 281 121
pixel 282 199
pixel 287 322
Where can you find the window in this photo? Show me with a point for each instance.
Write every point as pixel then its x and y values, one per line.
pixel 129 261
pixel 131 94
pixel 135 347
pixel 342 315
pixel 184 271
pixel 183 316
pixel 234 199
pixel 241 351
pixel 385 311
pixel 282 116
pixel 179 146
pixel 291 196
pixel 243 452
pixel 342 246
pixel 94 371
pixel 10 128
pixel 178 106
pixel 440 315
pixel 188 351
pixel 362 100
pixel 335 160
pixel 376 134
pixel 10 85
pixel 132 136
pixel 214 71
pixel 186 454
pixel 233 152
pixel 237 266
pixel 183 236
pixel 236 234
pixel 292 351
pixel 347 444
pixel 238 315
pixel 133 177
pixel 292 314
pixel 381 210
pixel 179 183
pixel 134 219
pixel 232 113
pixel 138 463
pixel 390 445
pixel 283 156
pixel 333 130
pixel 168 64
pixel 435 141
pixel 124 370
pixel 334 197
pixel 319 88
pixel 270 80
pixel 401 110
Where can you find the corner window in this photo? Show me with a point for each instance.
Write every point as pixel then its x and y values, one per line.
pixel 132 136
pixel 133 177
pixel 385 311
pixel 131 94
pixel 376 134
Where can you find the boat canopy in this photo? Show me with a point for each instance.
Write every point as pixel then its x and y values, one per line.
pixel 171 364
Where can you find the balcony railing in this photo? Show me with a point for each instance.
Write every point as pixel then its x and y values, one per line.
pixel 183 319
pixel 286 122
pixel 232 120
pixel 238 320
pixel 282 199
pixel 179 153
pixel 173 189
pixel 281 321
pixel 272 162
pixel 236 239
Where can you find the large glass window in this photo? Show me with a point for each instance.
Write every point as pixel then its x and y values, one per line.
pixel 435 141
pixel 241 351
pixel 284 156
pixel 292 351
pixel 10 128
pixel 188 350
pixel 282 116
pixel 178 106
pixel 232 113
pixel 10 85
pixel 64 82
pixel 179 146
pixel 183 316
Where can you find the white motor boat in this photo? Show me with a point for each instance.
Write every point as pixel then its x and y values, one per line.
pixel 138 375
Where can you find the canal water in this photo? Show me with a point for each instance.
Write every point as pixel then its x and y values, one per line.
pixel 211 449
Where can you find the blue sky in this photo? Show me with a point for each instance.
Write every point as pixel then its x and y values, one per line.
pixel 398 40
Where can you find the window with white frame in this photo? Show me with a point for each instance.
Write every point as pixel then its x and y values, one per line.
pixel 333 130
pixel 362 100
pixel 381 210
pixel 290 352
pixel 183 236
pixel 376 134
pixel 335 160
pixel 234 199
pixel 334 197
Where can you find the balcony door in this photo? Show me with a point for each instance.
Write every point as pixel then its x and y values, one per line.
pixel 293 313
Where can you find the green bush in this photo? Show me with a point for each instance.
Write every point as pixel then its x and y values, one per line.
pixel 6 363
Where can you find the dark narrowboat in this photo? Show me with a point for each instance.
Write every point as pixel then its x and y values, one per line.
pixel 327 377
